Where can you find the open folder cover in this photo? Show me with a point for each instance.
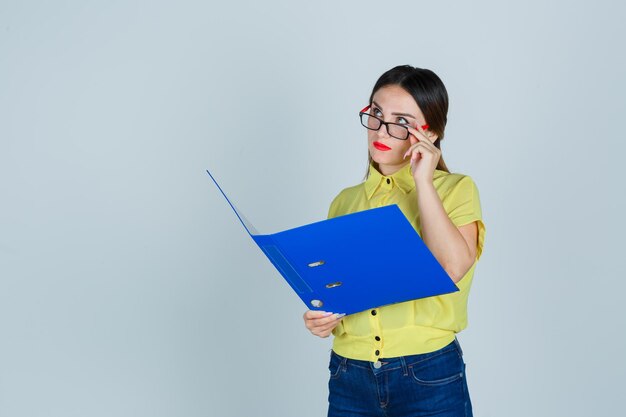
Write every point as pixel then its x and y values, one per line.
pixel 354 262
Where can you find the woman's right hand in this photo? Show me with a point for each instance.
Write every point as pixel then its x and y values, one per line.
pixel 321 323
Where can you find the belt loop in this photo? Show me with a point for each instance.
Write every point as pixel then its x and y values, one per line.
pixel 405 370
pixel 344 365
pixel 458 346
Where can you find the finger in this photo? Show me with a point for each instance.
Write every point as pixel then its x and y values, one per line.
pixel 313 314
pixel 414 149
pixel 427 147
pixel 419 134
pixel 430 135
pixel 325 320
pixel 430 152
pixel 328 327
pixel 415 156
pixel 410 150
pixel 421 128
pixel 426 136
pixel 323 334
pixel 325 329
pixel 419 152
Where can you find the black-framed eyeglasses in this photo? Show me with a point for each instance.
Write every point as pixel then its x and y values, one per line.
pixel 395 130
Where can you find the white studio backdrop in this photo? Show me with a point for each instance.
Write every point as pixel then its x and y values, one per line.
pixel 127 286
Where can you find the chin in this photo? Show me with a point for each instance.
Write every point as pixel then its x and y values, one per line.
pixel 386 159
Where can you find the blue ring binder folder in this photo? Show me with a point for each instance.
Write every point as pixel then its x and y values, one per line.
pixel 329 264
pixel 286 270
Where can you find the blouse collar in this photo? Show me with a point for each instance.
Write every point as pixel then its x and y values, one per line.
pixel 402 178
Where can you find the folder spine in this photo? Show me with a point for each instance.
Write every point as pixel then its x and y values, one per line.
pixel 282 264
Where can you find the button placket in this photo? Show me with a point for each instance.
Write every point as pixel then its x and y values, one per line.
pixel 386 184
pixel 376 331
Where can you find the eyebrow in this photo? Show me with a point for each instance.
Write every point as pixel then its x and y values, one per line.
pixel 395 114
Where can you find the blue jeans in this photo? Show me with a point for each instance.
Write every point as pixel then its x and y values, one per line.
pixel 429 384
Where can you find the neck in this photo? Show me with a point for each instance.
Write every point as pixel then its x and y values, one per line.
pixel 386 169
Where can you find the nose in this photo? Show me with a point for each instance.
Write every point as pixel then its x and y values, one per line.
pixel 382 131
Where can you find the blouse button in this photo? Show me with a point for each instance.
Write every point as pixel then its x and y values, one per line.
pixel 377 352
pixel 377 338
pixel 388 181
pixel 373 312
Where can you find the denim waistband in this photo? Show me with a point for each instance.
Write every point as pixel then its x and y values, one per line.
pixel 388 364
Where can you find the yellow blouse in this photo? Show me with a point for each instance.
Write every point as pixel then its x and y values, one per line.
pixel 417 326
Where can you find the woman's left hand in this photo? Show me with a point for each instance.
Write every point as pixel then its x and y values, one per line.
pixel 424 155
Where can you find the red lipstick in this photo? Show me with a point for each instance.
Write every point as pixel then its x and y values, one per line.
pixel 381 147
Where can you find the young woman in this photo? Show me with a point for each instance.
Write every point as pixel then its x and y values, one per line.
pixel 404 359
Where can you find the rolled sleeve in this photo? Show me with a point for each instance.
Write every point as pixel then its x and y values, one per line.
pixel 463 207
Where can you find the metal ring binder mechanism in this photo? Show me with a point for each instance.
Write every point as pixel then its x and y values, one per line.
pixel 329 263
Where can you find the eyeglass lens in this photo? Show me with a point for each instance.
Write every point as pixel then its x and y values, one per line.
pixel 395 130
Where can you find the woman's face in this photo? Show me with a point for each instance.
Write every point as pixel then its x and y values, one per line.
pixel 392 104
